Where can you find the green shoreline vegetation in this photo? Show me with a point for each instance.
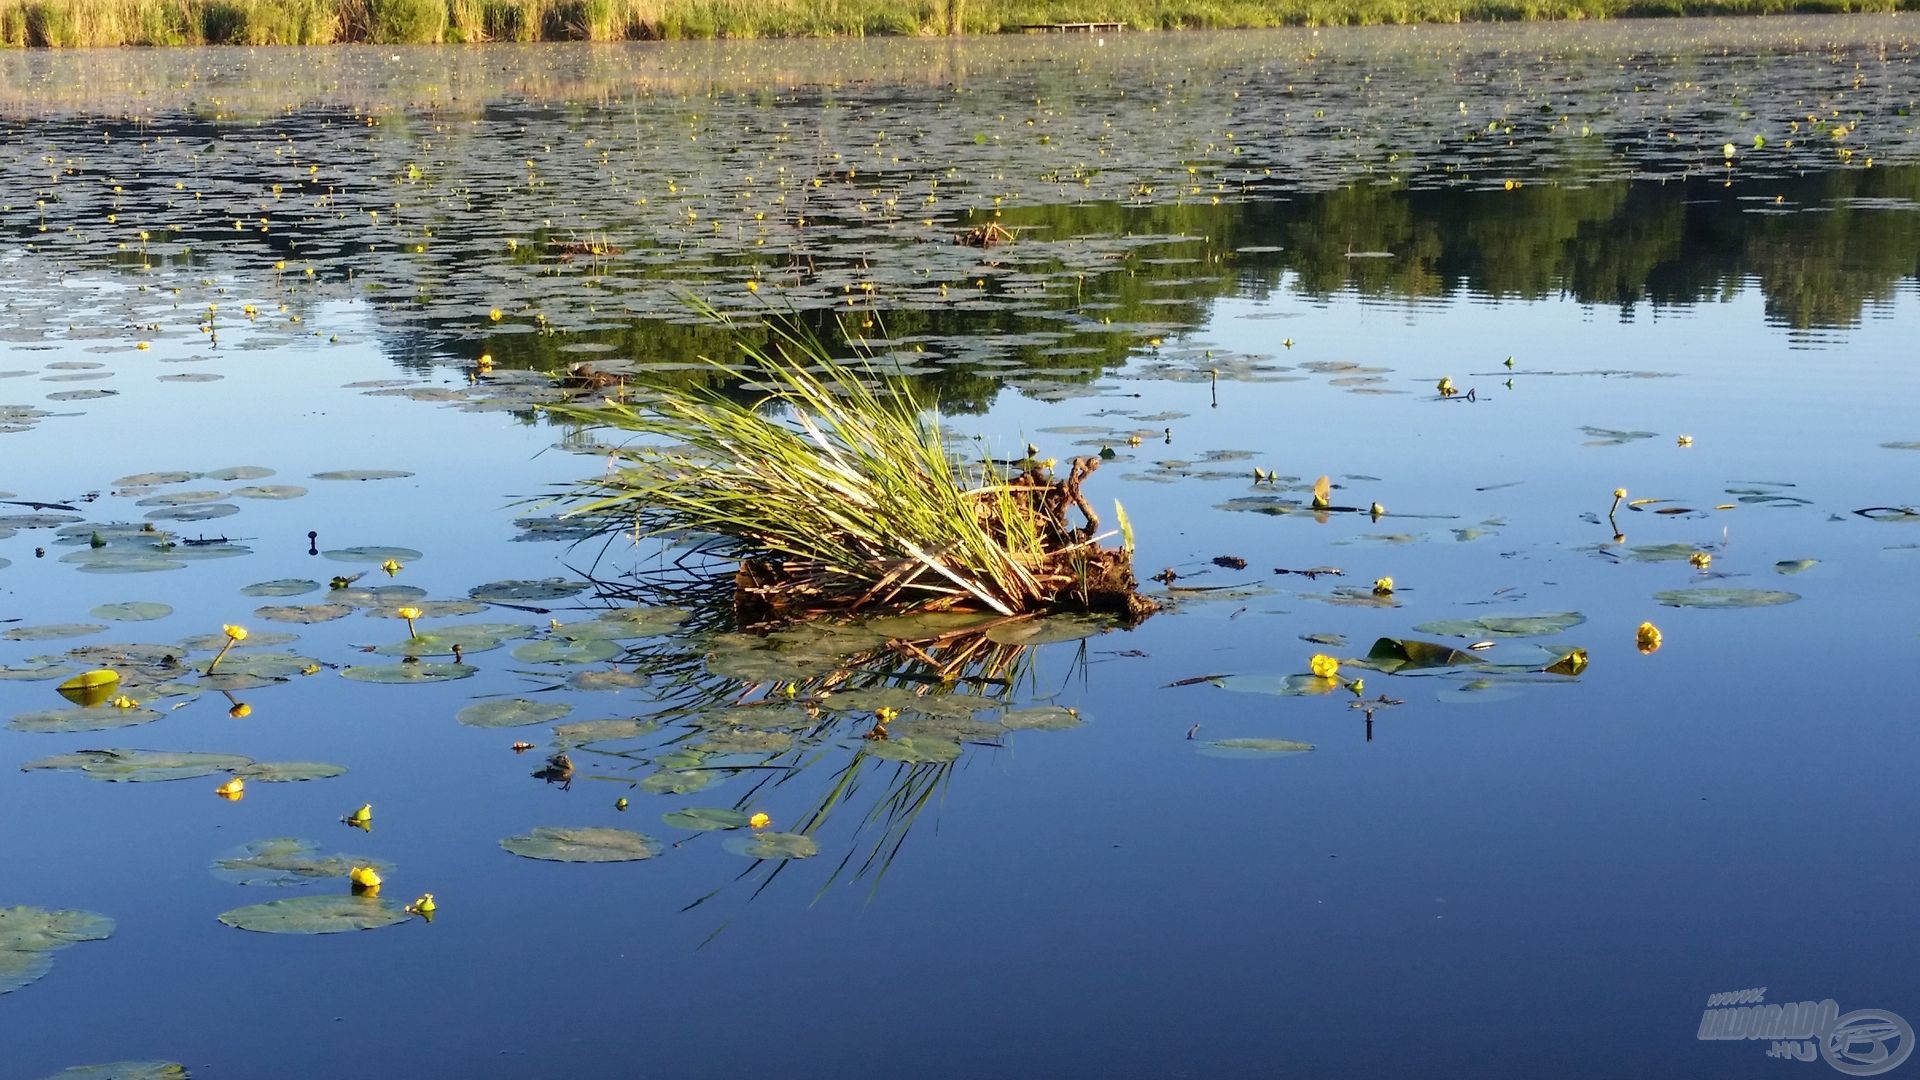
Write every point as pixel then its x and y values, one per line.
pixel 105 23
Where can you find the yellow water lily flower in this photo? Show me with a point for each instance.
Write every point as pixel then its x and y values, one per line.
pixel 1445 386
pixel 409 614
pixel 362 817
pixel 424 905
pixel 494 314
pixel 1324 666
pixel 1377 511
pixel 364 877
pixel 1647 638
pixel 1684 440
pixel 240 711
pixel 1618 494
pixel 391 566
pixel 886 714
pixel 620 803
pixel 1358 687
pixel 1383 586
pixel 759 821
pixel 231 788
pixel 1700 559
pixel 485 363
pixel 1322 493
pixel 233 633
pixel 125 702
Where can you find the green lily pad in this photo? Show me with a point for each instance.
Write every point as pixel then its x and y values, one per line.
pixel 287 861
pixel 150 479
pixel 383 598
pixel 1795 566
pixel 1407 654
pixel 34 671
pixel 280 587
pixel 259 639
pixel 1253 748
pixel 132 611
pixel 743 741
pixel 89 718
pixel 767 717
pixel 554 651
pixel 1663 552
pixel 316 915
pixel 1046 631
pixel 407 673
pixel 622 623
pixel 772 845
pixel 559 844
pixel 113 561
pixel 914 751
pixel 896 697
pixel 1302 685
pixel 239 472
pixel 140 766
pixel 607 680
pixel 1042 718
pixel 28 935
pixel 262 665
pixel 582 732
pixel 520 591
pixel 705 818
pixel 124 1070
pixel 673 781
pixel 373 553
pixel 362 474
pixel 274 492
pixel 925 624
pixel 1721 598
pixel 289 772
pixel 470 639
pixel 52 631
pixel 429 609
pixel 1504 626
pixel 511 712
pixel 302 614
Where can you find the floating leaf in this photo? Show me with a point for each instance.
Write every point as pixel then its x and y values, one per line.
pixel 1405 654
pixel 124 1070
pixel 566 652
pixel 289 772
pixel 558 844
pixel 1795 566
pixel 140 766
pixel 705 818
pixel 1253 748
pixel 1724 598
pixel 302 614
pixel 287 861
pixel 582 732
pixel 317 915
pixel 1042 718
pixel 915 751
pixel 523 591
pixel 772 845
pixel 373 553
pixel 275 492
pixel 895 697
pixel 362 474
pixel 511 712
pixel 1504 626
pixel 407 673
pixel 280 587
pixel 1048 630
pixel 132 611
pixel 744 742
pixel 1301 685
pixel 674 781
pixel 52 631
pixel 29 935
pixel 87 718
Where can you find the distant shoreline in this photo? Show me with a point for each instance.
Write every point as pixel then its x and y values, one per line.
pixel 111 23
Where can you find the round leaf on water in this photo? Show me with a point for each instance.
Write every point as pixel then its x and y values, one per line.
pixel 263 665
pixel 671 781
pixel 32 929
pixel 896 697
pixel 52 631
pixel 373 553
pixel 259 639
pixel 772 845
pixel 287 861
pixel 1302 685
pixel 925 624
pixel 239 472
pixel 560 844
pixel 1048 630
pixel 582 732
pixel 1794 566
pixel 773 716
pixel 316 915
pixel 1042 718
pixel 37 670
pixel 289 772
pixel 140 766
pixel 626 622
pixel 362 474
pixel 607 680
pixel 149 479
pixel 274 492
pixel 132 611
pixel 88 718
pixel 124 1070
pixel 429 609
pixel 1724 598
pixel 566 652
pixel 743 741
pixel 521 591
pixel 280 587
pixel 302 614
pixel 470 639
pixel 705 818
pixel 19 968
pixel 913 750
pixel 1504 626
pixel 377 596
pixel 407 673
pixel 511 712
pixel 1253 748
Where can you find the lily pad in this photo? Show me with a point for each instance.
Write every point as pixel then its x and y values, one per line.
pixel 1504 626
pixel 743 741
pixel 1721 598
pixel 316 915
pixel 302 614
pixel 1047 631
pixel 407 673
pixel 566 652
pixel 269 491
pixel 28 935
pixel 511 712
pixel 520 591
pixel 1042 718
pixel 895 697
pixel 1300 685
pixel 915 751
pixel 124 1070
pixel 470 639
pixel 373 553
pixel 1406 654
pixel 362 474
pixel 582 732
pixel 289 772
pixel 239 472
pixel 89 718
pixel 560 844
pixel 52 631
pixel 287 861
pixel 280 587
pixel 140 766
pixel 132 611
pixel 675 781
pixel 772 845
pixel 1253 748
pixel 705 818
pixel 622 623
pixel 1795 566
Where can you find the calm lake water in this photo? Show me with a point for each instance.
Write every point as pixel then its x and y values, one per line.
pixel 245 295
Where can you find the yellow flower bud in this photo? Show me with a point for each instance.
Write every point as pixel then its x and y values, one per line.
pixel 365 877
pixel 1383 586
pixel 759 821
pixel 234 633
pixel 1324 666
pixel 1647 638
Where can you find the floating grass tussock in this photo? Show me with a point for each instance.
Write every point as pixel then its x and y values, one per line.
pixel 834 497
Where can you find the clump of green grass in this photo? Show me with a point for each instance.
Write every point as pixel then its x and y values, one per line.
pixel 833 496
